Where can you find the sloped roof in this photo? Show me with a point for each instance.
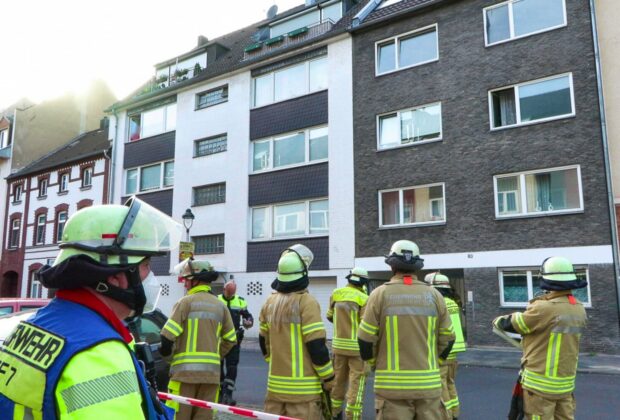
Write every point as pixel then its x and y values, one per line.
pixel 236 42
pixel 89 144
pixel 399 8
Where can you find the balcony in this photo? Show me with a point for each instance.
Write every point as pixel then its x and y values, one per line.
pixel 5 152
pixel 297 36
pixel 164 81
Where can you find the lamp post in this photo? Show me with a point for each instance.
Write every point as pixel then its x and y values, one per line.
pixel 188 221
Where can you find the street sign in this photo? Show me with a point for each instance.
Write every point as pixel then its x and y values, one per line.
pixel 186 250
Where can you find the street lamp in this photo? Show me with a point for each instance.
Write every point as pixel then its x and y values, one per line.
pixel 188 221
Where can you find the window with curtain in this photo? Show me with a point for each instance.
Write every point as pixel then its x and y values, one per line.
pixel 290 149
pixel 412 206
pixel 304 218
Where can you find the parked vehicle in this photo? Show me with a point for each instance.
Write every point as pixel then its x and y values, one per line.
pixel 12 305
pixel 145 328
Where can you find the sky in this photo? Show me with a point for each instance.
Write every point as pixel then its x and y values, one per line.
pixel 49 48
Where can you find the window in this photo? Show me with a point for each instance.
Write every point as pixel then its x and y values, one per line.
pixel 409 126
pixel 14 238
pixel 40 229
pixel 60 228
pixel 407 50
pixel 153 122
pixel 148 178
pixel 4 138
pixel 291 219
pixel 87 177
pixel 63 182
pixel 519 285
pixel 537 101
pixel 519 18
pixel 210 145
pixel 296 80
pixel 17 193
pixel 209 244
pixel 43 187
pixel 412 206
pixel 541 192
pixel 290 149
pixel 212 97
pixel 36 288
pixel 210 194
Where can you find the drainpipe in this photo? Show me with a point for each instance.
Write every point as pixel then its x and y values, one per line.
pixel 610 193
pixel 113 160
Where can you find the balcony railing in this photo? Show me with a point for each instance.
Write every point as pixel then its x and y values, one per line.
pixel 162 82
pixel 261 48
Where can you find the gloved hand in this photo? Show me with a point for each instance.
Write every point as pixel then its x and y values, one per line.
pixel 247 324
pixel 328 384
pixel 497 322
pixel 369 366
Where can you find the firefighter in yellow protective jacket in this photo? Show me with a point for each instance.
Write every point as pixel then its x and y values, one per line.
pixel 407 329
pixel 202 332
pixel 551 327
pixel 292 339
pixel 450 397
pixel 346 307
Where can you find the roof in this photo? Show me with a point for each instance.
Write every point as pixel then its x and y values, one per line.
pixel 397 9
pixel 233 59
pixel 89 144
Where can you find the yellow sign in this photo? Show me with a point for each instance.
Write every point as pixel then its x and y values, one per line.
pixel 186 250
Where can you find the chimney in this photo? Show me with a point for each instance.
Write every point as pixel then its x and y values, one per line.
pixel 202 40
pixel 104 123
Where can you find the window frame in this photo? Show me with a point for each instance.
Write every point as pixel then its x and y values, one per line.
pixel 396 40
pixel 162 176
pixel 18 190
pixel 224 89
pixel 4 138
pixel 15 230
pixel 207 139
pixel 523 194
pixel 511 24
pixel 412 143
pixel 272 73
pixel 518 104
pixel 401 208
pixel 141 114
pixel 213 235
pixel 58 233
pixel 270 221
pixel 62 185
pixel 217 185
pixel 39 229
pixel 43 185
pixel 530 271
pixel 273 139
pixel 90 171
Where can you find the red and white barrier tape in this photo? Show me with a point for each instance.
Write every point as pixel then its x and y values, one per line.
pixel 221 407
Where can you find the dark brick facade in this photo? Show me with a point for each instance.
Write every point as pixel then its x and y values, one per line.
pixel 470 154
pixel 294 114
pixel 264 256
pixel 149 150
pixel 299 183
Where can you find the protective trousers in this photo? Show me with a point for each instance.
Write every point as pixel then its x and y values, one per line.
pixel 348 369
pixel 448 388
pixel 537 407
pixel 228 376
pixel 418 409
pixel 205 392
pixel 303 411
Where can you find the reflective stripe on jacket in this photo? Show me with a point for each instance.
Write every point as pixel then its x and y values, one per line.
pixel 346 307
pixel 203 332
pixel 238 308
pixel 455 316
pixel 551 327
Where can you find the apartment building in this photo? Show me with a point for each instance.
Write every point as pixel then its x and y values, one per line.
pixel 252 132
pixel 477 134
pixel 40 198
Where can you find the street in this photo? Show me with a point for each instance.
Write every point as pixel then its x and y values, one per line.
pixel 484 392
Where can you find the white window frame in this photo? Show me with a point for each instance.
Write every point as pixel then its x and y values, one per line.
pixel 271 74
pixel 272 141
pixel 16 225
pixel 530 271
pixel 43 184
pixel 518 104
pixel 4 138
pixel 165 123
pixel 523 194
pixel 58 224
pixel 40 228
pixel 18 190
pixel 87 177
pixel 270 221
pixel 139 170
pixel 401 208
pixel 512 26
pixel 396 40
pixel 36 288
pixel 223 98
pixel 212 235
pixel 412 143
pixel 63 182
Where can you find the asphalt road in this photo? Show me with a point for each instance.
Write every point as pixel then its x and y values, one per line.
pixel 484 392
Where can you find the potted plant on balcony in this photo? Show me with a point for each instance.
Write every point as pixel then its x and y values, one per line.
pixel 181 74
pixel 197 69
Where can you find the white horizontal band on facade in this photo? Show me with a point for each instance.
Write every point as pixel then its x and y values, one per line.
pixel 600 254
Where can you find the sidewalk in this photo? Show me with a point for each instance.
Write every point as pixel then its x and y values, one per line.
pixel 507 358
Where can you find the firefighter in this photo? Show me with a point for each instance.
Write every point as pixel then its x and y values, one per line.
pixel 551 327
pixel 73 359
pixel 448 368
pixel 238 310
pixel 292 340
pixel 346 307
pixel 202 332
pixel 405 331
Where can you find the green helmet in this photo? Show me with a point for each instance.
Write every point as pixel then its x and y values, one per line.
pixel 558 269
pixel 358 276
pixel 294 263
pixel 119 235
pixel 438 280
pixel 191 269
pixel 404 256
